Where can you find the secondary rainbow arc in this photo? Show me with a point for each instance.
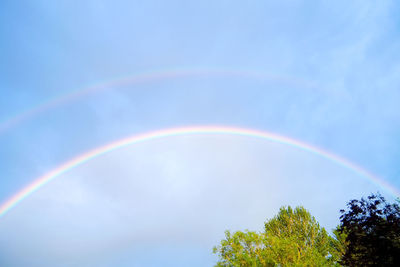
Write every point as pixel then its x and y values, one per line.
pixel 143 77
pixel 79 160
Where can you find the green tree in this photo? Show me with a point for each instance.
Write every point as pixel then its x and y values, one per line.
pixel 291 238
pixel 339 244
pixel 372 229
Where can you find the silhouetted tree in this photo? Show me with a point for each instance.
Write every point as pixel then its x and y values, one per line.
pixel 372 232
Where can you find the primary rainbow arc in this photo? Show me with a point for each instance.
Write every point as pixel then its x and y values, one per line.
pixel 46 178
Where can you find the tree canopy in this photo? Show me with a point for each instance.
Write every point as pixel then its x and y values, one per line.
pixel 372 230
pixel 368 235
pixel 292 238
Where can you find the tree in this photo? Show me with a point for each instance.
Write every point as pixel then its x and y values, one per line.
pixel 372 229
pixel 291 238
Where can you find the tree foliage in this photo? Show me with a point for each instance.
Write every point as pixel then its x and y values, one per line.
pixel 292 238
pixel 372 229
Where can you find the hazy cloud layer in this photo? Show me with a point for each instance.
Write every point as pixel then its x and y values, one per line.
pixel 169 197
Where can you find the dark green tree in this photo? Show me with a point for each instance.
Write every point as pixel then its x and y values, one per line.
pixel 372 230
pixel 292 238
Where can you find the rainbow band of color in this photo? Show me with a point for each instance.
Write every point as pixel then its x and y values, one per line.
pixel 138 78
pixel 43 180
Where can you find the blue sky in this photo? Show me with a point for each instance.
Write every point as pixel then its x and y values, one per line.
pixel 322 73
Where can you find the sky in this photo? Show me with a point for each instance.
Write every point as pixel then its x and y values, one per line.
pixel 78 75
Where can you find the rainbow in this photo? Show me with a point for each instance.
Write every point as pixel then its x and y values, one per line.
pixel 81 159
pixel 144 77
